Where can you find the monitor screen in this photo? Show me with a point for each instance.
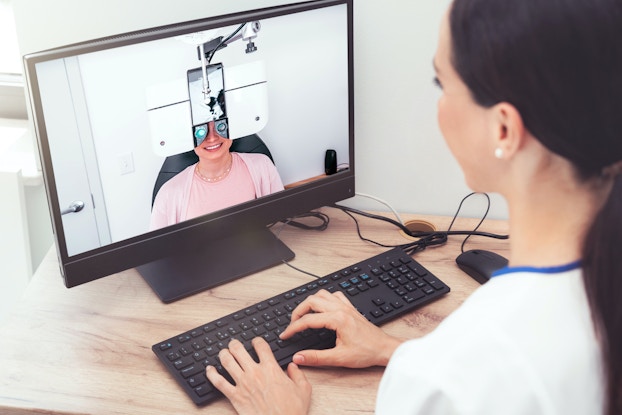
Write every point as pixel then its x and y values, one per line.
pixel 172 150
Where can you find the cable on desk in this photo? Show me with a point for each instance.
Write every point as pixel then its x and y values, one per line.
pixel 377 199
pixel 426 239
pixel 295 221
pixel 480 222
pixel 324 220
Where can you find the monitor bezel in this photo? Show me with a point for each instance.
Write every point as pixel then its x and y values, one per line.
pixel 176 239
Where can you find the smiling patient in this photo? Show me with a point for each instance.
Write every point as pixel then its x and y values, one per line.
pixel 218 180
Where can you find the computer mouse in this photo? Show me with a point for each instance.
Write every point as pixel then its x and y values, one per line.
pixel 480 264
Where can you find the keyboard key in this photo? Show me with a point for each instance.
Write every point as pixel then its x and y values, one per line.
pixel 197 380
pixel 182 363
pixel 434 282
pixel 192 370
pixel 396 304
pixel 208 327
pixel 204 389
pixel 172 356
pixel 377 313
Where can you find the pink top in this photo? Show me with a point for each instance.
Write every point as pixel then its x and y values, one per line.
pixel 186 196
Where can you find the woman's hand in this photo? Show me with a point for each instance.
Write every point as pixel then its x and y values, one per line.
pixel 261 388
pixel 359 343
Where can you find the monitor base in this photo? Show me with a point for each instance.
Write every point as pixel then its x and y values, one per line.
pixel 176 277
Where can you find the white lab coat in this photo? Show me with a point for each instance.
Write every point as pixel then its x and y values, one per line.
pixel 523 343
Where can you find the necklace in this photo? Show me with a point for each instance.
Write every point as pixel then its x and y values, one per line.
pixel 213 179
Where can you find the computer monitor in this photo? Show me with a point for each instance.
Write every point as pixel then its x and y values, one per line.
pixel 111 114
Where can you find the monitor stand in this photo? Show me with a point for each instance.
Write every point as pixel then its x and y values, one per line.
pixel 209 265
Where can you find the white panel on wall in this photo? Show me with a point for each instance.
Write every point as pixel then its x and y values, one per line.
pixel 14 248
pixel 15 253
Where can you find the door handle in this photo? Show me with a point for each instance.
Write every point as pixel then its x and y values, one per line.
pixel 74 207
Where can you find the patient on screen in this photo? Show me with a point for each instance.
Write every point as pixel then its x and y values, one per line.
pixel 218 180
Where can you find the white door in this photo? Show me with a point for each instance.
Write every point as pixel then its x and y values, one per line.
pixel 73 156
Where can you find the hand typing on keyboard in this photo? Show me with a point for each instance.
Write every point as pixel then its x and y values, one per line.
pixel 260 387
pixel 305 325
pixel 359 343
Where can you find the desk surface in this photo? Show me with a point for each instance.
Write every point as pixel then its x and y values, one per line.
pixel 88 349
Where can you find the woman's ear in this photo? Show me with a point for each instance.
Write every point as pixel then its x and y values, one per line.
pixel 508 129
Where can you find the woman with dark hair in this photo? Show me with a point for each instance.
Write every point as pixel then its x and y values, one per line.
pixel 532 94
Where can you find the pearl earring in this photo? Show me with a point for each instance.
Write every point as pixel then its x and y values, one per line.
pixel 498 153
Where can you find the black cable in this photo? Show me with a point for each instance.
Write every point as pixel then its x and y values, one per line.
pixel 426 239
pixel 223 42
pixel 480 222
pixel 358 230
pixel 432 239
pixel 420 234
pixel 324 220
pixel 323 217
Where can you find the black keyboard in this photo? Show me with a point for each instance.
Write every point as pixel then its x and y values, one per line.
pixel 381 288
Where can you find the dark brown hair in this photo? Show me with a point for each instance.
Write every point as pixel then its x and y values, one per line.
pixel 559 62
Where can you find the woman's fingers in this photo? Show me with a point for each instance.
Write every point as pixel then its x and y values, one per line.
pixel 342 297
pixel 236 359
pixel 320 302
pixel 314 358
pixel 219 382
pixel 260 387
pixel 262 348
pixel 312 321
pixel 298 377
pixel 311 313
pixel 241 355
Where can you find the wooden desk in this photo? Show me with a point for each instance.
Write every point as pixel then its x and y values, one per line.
pixel 88 349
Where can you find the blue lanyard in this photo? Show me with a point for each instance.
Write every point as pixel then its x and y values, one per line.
pixel 539 270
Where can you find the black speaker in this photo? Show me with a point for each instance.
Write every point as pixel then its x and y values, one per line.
pixel 330 162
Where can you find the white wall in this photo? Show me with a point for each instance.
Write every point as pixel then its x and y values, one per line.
pixel 25 231
pixel 400 154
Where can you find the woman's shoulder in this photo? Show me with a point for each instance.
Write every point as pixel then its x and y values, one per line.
pixel 254 158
